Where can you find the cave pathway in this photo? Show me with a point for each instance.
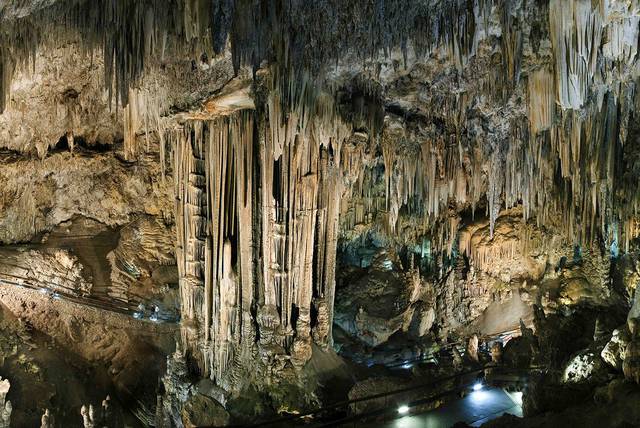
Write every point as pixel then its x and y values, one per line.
pixel 474 409
pixel 86 301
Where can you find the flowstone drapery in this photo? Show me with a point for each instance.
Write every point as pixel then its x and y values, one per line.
pixel 257 214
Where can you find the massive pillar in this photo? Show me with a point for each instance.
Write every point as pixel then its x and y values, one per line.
pixel 257 204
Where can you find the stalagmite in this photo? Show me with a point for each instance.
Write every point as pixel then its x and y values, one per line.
pixel 5 405
pixel 496 352
pixel 47 420
pixel 472 348
pixel 88 416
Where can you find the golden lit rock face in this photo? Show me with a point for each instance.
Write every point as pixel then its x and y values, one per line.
pixel 38 195
pixel 225 224
pixel 61 95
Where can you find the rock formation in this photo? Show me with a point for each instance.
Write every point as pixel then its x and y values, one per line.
pixel 5 405
pixel 472 348
pixel 615 350
pixel 631 362
pixel 47 420
pixel 89 419
pixel 399 181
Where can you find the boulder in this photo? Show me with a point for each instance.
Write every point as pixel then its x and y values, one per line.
pixel 586 366
pixel 201 410
pixel 614 351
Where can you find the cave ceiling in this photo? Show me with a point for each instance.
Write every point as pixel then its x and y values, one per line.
pixel 471 103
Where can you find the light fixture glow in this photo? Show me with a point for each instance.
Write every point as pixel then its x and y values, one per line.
pixel 477 386
pixel 403 409
pixel 480 396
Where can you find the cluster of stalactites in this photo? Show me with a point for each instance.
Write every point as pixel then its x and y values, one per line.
pixel 131 34
pixel 514 238
pixel 231 199
pixel 577 124
pixel 427 178
pixel 576 34
pixel 485 257
pixel 236 176
pixel 568 156
pixel 144 112
pixel 573 162
pixel 304 176
pixel 215 198
pixel 595 54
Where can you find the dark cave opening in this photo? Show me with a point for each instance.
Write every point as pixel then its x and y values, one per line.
pixel 80 144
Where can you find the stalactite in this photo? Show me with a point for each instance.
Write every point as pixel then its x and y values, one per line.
pixel 131 124
pixel 127 33
pixel 541 100
pixel 511 41
pixel 485 254
pixel 6 73
pixel 132 34
pixel 144 112
pixel 388 154
pixel 496 186
pixel 295 156
pixel 576 33
pixel 622 31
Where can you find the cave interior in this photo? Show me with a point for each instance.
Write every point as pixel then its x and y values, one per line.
pixel 279 213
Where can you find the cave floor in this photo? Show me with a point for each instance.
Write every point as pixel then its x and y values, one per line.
pixel 44 376
pixel 474 409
